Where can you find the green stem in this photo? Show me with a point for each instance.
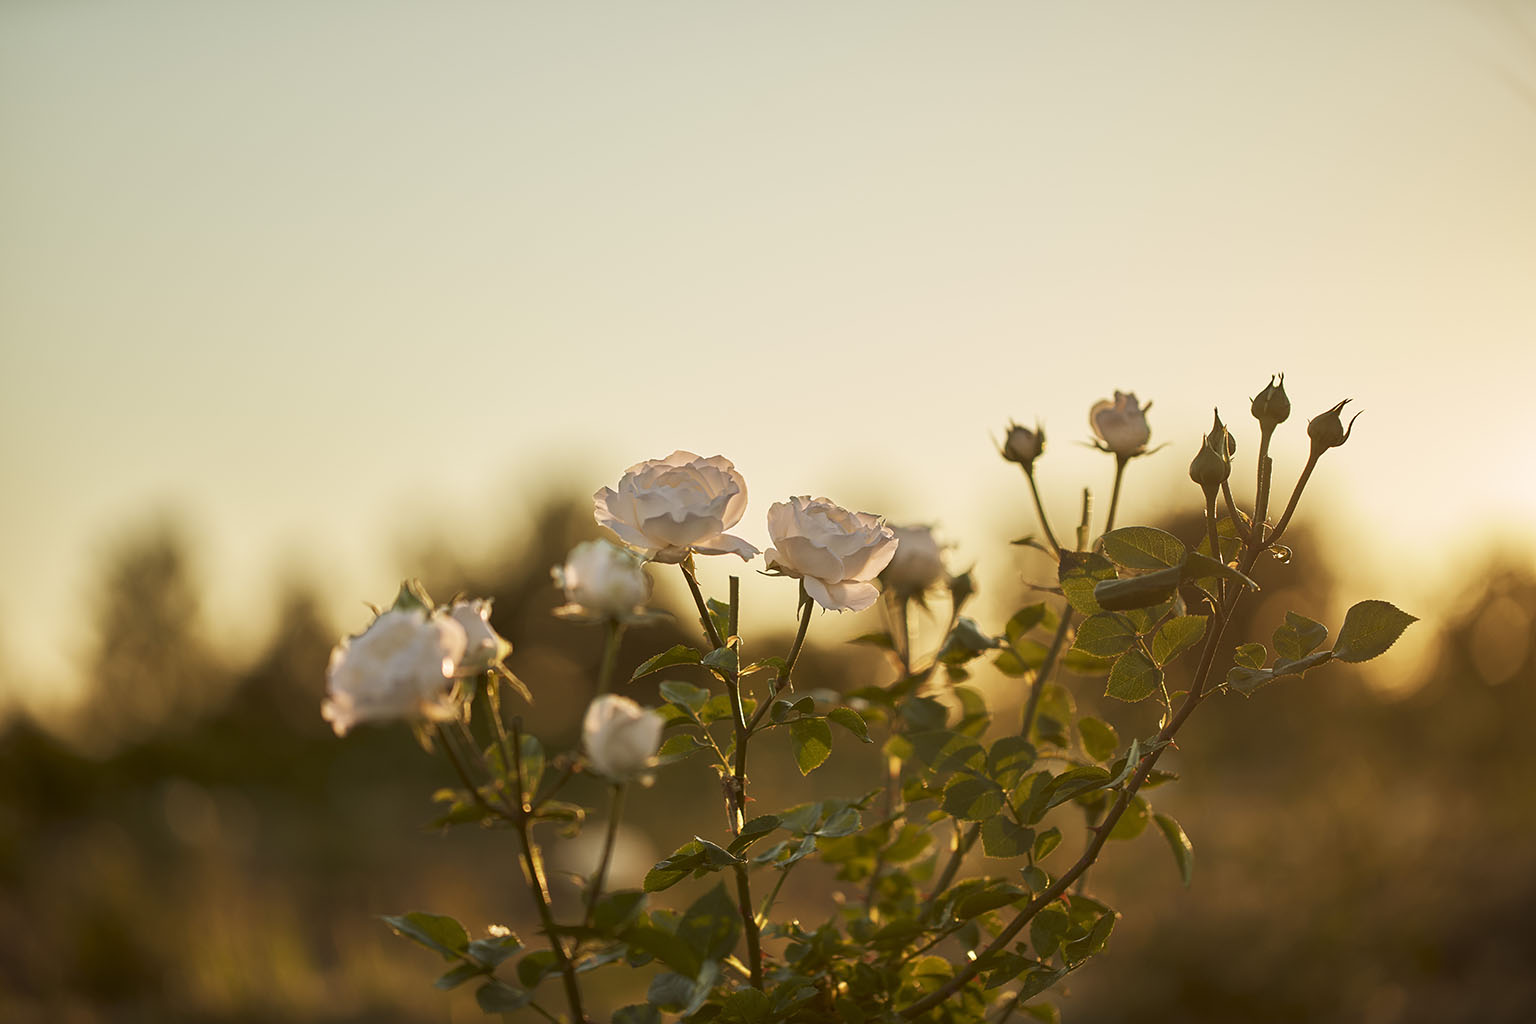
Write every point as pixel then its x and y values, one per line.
pixel 1044 673
pixel 705 619
pixel 1290 509
pixel 1114 495
pixel 749 925
pixel 611 641
pixel 595 889
pixel 1266 468
pixel 781 681
pixel 533 871
pixel 1045 524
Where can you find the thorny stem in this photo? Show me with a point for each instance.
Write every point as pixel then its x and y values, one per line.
pixel 1044 674
pixel 615 810
pixel 1045 524
pixel 705 619
pixel 1226 494
pixel 533 869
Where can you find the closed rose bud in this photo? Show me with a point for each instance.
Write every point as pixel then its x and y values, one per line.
pixel 1209 469
pixel 918 563
pixel 1023 445
pixel 1271 407
pixel 621 738
pixel 602 581
pixel 1328 431
pixel 1219 429
pixel 1121 425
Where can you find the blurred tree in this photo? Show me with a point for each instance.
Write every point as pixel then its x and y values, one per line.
pixel 151 666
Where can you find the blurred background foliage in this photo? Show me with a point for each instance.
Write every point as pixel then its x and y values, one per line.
pixel 194 844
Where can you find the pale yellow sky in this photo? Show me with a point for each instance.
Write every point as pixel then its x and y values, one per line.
pixel 312 273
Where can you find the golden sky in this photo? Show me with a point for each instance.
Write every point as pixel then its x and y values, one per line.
pixel 314 273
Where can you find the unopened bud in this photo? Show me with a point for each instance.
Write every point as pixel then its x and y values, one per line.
pixel 1219 430
pixel 1210 468
pixel 1328 430
pixel 1023 445
pixel 1271 407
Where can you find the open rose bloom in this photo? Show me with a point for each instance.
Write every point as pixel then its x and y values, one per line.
pixel 401 667
pixel 668 508
pixel 835 552
pixel 1121 425
pixel 621 738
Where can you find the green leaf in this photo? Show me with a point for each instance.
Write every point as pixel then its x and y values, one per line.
pixel 617 910
pixel 664 946
pixel 442 935
pixel 1008 759
pixel 494 950
pixel 1078 573
pixel 1250 655
pixel 1093 943
pixel 1099 738
pixel 1134 677
pixel 1142 591
pixel 1133 822
pixel 978 903
pixel 1024 620
pixel 812 742
pixel 457 976
pixel 1048 841
pixel 696 855
pixel 971 798
pixel 681 654
pixel 1176 636
pixel 679 746
pixel 722 661
pixel 536 966
pixel 852 721
pixel 1105 635
pixel 1144 547
pixel 1076 781
pixel 638 1013
pixel 711 924
pixel 1183 850
pixel 497 996
pixel 670 991
pixel 1246 680
pixel 1047 930
pixel 752 831
pixel 844 821
pixel 1370 627
pixel 684 694
pixel 1298 636
pixel 1001 837
pixel 880 640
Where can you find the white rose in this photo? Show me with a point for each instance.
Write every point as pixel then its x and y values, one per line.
pixel 669 507
pixel 834 551
pixel 602 581
pixel 402 666
pixel 621 738
pixel 485 646
pixel 1121 425
pixel 918 564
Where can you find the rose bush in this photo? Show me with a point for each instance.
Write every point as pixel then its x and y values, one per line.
pixel 835 553
pixel 670 507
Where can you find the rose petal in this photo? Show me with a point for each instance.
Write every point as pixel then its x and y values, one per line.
pixel 726 544
pixel 848 596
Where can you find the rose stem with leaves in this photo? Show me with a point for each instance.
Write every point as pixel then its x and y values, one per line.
pixel 1197 693
pixel 533 871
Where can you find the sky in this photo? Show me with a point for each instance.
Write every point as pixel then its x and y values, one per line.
pixel 310 276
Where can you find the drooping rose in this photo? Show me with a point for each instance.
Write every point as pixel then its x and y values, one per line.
pixel 1121 425
pixel 401 667
pixel 485 647
pixel 602 581
pixel 621 738
pixel 918 563
pixel 670 507
pixel 834 551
